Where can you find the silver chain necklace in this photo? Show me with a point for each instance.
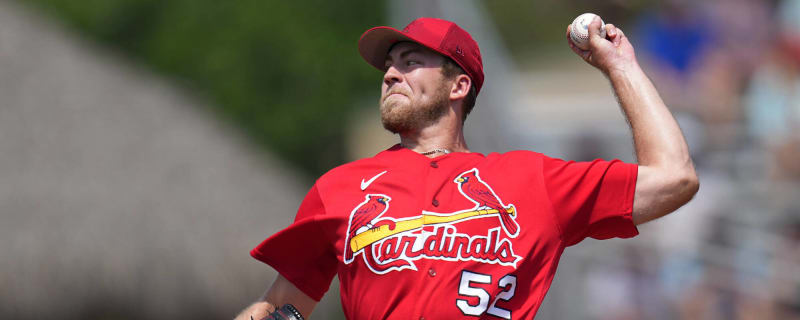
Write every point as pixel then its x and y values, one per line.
pixel 437 150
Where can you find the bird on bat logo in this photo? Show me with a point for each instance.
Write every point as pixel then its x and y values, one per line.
pixel 364 215
pixel 477 191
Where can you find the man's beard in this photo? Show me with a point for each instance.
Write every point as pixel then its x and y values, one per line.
pixel 406 116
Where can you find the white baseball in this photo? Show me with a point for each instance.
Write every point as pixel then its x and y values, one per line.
pixel 579 33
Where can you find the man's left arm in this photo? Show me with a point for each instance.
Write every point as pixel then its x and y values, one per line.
pixel 281 292
pixel 667 178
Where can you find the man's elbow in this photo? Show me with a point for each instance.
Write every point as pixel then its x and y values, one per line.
pixel 688 185
pixel 666 190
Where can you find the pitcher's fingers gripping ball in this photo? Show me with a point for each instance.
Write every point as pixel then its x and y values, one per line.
pixel 579 30
pixel 607 48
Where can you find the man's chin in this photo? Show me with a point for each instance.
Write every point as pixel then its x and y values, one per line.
pixel 395 126
pixel 393 105
pixel 396 122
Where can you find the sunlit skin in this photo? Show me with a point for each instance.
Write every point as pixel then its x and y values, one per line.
pixel 419 103
pixel 413 91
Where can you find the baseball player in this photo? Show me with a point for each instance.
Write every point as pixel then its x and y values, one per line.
pixel 429 230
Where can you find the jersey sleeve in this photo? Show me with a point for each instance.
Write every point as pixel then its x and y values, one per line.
pixel 303 252
pixel 591 199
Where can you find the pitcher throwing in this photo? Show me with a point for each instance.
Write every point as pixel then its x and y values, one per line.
pixel 429 230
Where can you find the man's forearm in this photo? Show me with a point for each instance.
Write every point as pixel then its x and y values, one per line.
pixel 667 179
pixel 257 311
pixel 281 292
pixel 657 137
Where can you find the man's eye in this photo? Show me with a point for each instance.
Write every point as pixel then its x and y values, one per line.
pixel 411 62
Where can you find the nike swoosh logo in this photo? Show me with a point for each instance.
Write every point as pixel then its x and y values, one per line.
pixel 365 184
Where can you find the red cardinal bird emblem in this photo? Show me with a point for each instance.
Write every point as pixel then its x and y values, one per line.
pixel 363 216
pixel 472 187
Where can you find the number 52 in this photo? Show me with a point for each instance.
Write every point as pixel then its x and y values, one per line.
pixel 508 283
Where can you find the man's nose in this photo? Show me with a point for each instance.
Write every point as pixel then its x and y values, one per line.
pixel 392 76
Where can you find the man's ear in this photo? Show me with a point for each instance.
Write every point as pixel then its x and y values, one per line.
pixel 460 88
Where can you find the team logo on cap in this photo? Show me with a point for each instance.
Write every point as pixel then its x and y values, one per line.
pixel 388 244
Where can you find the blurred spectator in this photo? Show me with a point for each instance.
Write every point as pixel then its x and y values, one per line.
pixel 785 278
pixel 741 29
pixel 628 291
pixel 715 297
pixel 742 33
pixel 672 40
pixel 702 55
pixel 675 36
pixel 772 99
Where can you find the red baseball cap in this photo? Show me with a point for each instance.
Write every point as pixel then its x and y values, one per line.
pixel 439 35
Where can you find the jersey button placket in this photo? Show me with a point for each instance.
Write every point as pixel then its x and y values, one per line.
pixel 435 165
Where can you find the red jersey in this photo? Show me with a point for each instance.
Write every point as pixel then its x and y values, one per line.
pixel 458 235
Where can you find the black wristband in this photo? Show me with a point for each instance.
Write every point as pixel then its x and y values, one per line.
pixel 287 312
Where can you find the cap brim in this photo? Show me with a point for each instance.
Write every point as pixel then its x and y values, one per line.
pixel 376 42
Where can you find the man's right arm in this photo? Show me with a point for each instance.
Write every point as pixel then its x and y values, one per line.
pixel 666 176
pixel 281 292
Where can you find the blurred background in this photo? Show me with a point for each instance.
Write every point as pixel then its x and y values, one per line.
pixel 146 146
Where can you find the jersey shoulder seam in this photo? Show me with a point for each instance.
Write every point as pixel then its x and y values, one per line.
pixel 553 213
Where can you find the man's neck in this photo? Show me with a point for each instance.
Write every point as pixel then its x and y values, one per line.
pixel 444 136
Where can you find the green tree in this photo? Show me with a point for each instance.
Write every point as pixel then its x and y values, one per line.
pixel 287 72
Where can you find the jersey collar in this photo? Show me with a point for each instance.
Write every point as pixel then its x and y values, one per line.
pixel 399 155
